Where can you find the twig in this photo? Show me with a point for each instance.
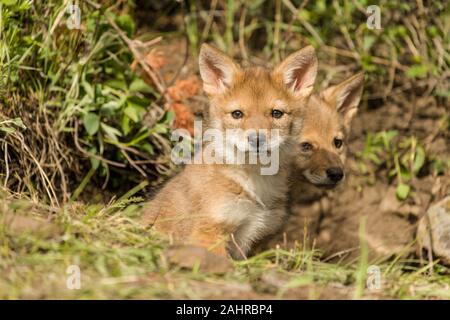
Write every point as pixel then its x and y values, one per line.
pixel 93 155
pixel 304 23
pixel 276 31
pixel 134 165
pixel 57 20
pixel 238 247
pixel 242 34
pixel 339 254
pixel 6 162
pixel 46 181
pixel 186 51
pixel 210 20
pixel 354 55
pixel 138 55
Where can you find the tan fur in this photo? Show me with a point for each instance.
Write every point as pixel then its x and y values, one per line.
pixel 227 208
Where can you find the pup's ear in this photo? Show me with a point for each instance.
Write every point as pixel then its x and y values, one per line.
pixel 216 69
pixel 345 96
pixel 298 71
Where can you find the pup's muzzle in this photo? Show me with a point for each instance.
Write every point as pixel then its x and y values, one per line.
pixel 257 141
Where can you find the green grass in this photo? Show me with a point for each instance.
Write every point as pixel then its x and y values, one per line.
pixel 89 102
pixel 118 258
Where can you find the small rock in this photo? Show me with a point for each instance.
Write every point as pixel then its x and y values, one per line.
pixel 21 224
pixel 436 225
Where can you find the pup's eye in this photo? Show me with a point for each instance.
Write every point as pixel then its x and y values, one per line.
pixel 277 114
pixel 337 142
pixel 237 114
pixel 306 146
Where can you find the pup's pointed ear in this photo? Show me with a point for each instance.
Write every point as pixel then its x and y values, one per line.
pixel 345 96
pixel 298 71
pixel 216 69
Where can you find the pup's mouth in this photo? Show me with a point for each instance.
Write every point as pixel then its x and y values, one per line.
pixel 327 186
pixel 320 181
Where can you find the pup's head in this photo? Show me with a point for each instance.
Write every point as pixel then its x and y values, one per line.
pixel 256 100
pixel 326 124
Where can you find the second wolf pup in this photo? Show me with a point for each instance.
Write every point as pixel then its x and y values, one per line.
pixel 323 137
pixel 320 152
pixel 229 207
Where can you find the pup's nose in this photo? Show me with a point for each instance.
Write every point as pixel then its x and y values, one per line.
pixel 256 140
pixel 335 174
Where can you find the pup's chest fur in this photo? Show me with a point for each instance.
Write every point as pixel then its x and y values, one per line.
pixel 258 210
pixel 264 190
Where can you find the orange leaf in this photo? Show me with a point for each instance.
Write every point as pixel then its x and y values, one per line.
pixel 183 117
pixel 184 89
pixel 155 59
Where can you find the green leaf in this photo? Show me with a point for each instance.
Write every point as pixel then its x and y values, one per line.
pixel 8 2
pixel 443 93
pixel 148 148
pixel 439 166
pixel 419 159
pixel 111 132
pixel 402 191
pixel 368 42
pixel 88 88
pixel 7 129
pixel 418 71
pixel 388 136
pixel 160 128
pixel 126 22
pixel 405 174
pixel 125 124
pixel 392 172
pixel 110 107
pixel 375 159
pixel 119 84
pixel 432 31
pixel 143 102
pixel 98 91
pixel 18 122
pixel 168 117
pixel 91 123
pixel 140 85
pixel 134 111
pixel 94 161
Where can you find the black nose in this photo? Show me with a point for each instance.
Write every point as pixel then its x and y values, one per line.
pixel 256 140
pixel 335 174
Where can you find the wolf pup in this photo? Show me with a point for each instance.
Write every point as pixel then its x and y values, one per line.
pixel 318 164
pixel 326 125
pixel 228 207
